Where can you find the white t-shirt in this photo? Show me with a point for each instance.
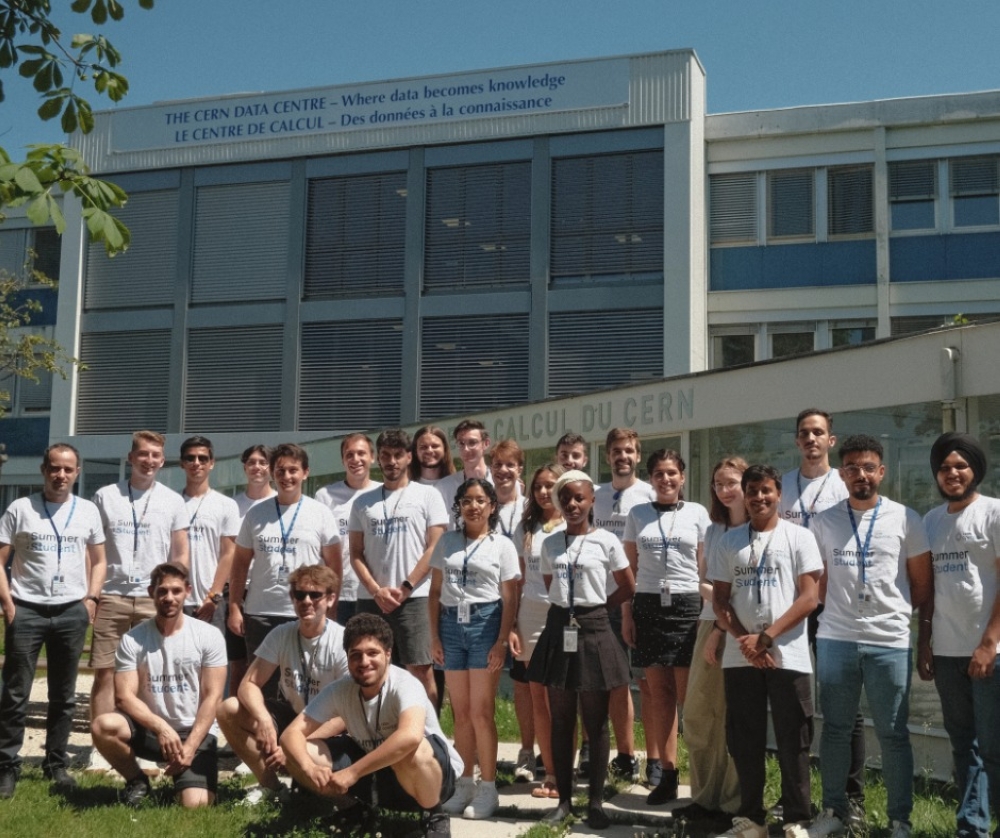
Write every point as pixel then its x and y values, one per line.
pixel 339 497
pixel 816 494
pixel 308 527
pixel 159 512
pixel 712 536
pixel 510 516
pixel 765 583
pixel 884 618
pixel 534 585
pixel 491 561
pixel 676 533
pixel 611 507
pixel 170 668
pixel 245 503
pixel 212 517
pixel 395 524
pixel 591 558
pixel 49 565
pixel 371 722
pixel 304 663
pixel 965 546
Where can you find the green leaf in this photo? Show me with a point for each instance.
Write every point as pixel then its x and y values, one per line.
pixel 28 180
pixel 80 6
pixel 145 4
pixel 29 69
pixel 38 210
pixel 68 121
pixel 57 216
pixel 49 109
pixel 99 14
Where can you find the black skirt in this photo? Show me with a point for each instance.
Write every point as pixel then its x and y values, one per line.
pixel 599 662
pixel 665 636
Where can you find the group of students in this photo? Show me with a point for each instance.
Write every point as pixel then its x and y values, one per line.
pixel 577 587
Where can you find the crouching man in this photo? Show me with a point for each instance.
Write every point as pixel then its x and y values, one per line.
pixel 308 654
pixel 169 675
pixel 373 737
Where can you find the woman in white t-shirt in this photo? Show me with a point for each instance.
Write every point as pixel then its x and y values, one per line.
pixel 541 519
pixel 473 603
pixel 664 542
pixel 578 657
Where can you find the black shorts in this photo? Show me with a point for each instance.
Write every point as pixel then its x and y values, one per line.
pixel 282 713
pixel 390 795
pixel 203 773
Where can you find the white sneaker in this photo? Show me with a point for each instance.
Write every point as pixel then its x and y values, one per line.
pixel 465 791
pixel 96 763
pixel 900 829
pixel 745 828
pixel 484 804
pixel 243 770
pixel 524 768
pixel 259 794
pixel 149 767
pixel 796 830
pixel 826 824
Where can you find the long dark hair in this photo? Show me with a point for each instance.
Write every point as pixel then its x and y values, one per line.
pixel 533 514
pixel 491 493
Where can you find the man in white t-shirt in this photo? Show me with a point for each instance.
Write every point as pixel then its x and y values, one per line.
pixel 307 655
pixel 54 544
pixel 964 534
pixel 373 737
pixel 807 490
pixel 571 451
pixel 146 524
pixel 432 460
pixel 472 442
pixel 612 502
pixel 214 522
pixel 279 536
pixel 169 675
pixel 357 453
pixel 393 530
pixel 878 569
pixel 766 582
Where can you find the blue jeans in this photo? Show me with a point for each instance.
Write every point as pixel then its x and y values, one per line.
pixel 62 629
pixel 467 645
pixel 842 668
pixel 971 711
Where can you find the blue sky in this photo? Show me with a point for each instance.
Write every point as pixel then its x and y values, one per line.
pixel 756 54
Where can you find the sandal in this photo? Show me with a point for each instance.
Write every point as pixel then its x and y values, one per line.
pixel 547 789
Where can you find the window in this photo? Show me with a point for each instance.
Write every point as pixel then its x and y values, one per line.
pixel 233 380
pixel 607 218
pixel 472 363
pixel 241 242
pixel 622 347
pixel 851 201
pixel 912 188
pixel 790 205
pixel 784 344
pixel 350 375
pixel 355 236
pixel 26 250
pixel 851 335
pixel 478 227
pixel 126 383
pixel 733 208
pixel 24 396
pixel 975 192
pixel 733 350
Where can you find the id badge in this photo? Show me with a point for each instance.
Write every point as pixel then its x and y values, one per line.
pixel 571 638
pixel 464 613
pixel 283 572
pixel 665 598
pixel 58 585
pixel 135 578
pixel 866 605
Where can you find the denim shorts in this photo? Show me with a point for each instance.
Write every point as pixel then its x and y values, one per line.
pixel 467 645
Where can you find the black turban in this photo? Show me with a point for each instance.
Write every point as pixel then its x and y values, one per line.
pixel 966 445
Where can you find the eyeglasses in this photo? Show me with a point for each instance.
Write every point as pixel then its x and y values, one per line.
pixel 854 470
pixel 464 502
pixel 196 458
pixel 313 595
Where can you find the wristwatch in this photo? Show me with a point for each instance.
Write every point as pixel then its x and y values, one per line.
pixel 765 640
pixel 408 585
pixel 95 599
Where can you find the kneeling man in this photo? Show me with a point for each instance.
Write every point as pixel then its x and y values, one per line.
pixel 308 654
pixel 380 742
pixel 169 675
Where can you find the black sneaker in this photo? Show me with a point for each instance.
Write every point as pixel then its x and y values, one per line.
pixel 654 772
pixel 666 790
pixel 583 766
pixel 625 767
pixel 136 791
pixel 433 824
pixel 60 778
pixel 8 781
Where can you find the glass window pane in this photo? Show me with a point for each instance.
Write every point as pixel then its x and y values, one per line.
pixel 977 211
pixel 912 215
pixel 791 343
pixel 853 336
pixel 732 350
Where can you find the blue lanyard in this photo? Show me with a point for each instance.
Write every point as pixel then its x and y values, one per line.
pixel 286 533
pixel 137 521
pixel 509 530
pixel 468 556
pixel 868 538
pixel 806 515
pixel 572 571
pixel 759 566
pixel 59 537
pixel 304 687
pixel 667 536
pixel 385 509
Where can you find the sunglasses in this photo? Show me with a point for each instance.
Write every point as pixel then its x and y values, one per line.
pixel 196 458
pixel 313 595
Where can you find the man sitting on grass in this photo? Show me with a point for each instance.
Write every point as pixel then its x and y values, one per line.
pixel 169 675
pixel 373 737
pixel 308 654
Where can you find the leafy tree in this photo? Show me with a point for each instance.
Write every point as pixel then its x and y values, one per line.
pixel 32 42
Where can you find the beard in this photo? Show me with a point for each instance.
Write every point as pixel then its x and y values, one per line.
pixel 970 490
